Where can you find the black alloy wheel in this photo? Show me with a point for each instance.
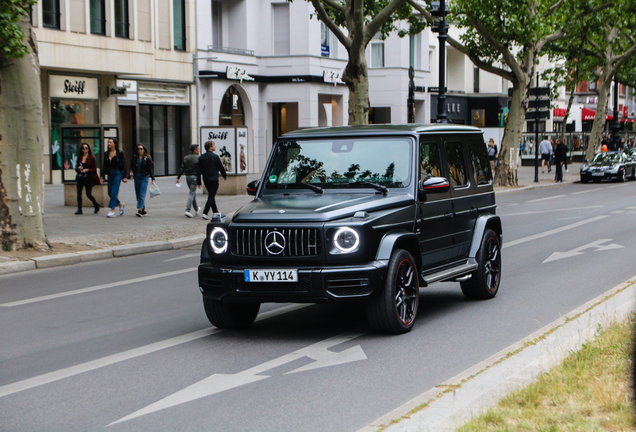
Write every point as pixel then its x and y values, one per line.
pixel 394 310
pixel 484 282
pixel 623 176
pixel 230 315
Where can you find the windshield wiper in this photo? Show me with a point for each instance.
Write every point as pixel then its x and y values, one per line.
pixel 314 188
pixel 375 186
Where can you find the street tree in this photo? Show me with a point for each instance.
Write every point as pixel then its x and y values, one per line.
pixel 21 131
pixel 611 46
pixel 506 38
pixel 362 20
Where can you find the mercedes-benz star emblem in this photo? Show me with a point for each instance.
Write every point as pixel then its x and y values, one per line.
pixel 275 243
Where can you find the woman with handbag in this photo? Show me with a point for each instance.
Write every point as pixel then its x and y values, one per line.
pixel 86 176
pixel 141 168
pixel 115 169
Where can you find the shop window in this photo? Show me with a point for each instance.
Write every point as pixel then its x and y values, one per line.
pixel 325 40
pixel 380 115
pixel 98 16
pixel 231 112
pixel 51 13
pixel 456 166
pixel 68 112
pixel 160 129
pixel 280 13
pixel 122 22
pixel 217 23
pixel 178 14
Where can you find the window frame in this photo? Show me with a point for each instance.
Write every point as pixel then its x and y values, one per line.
pixel 102 20
pixel 125 5
pixel 182 30
pixel 372 45
pixel 56 13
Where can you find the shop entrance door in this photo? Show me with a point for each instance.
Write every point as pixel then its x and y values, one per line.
pixel 128 124
pixel 96 136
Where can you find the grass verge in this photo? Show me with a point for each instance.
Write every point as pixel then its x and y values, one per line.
pixel 590 391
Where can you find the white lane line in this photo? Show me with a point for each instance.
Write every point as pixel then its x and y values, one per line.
pixel 183 257
pixel 549 211
pixel 512 205
pixel 96 288
pixel 554 231
pixel 50 377
pixel 546 199
pixel 584 191
pixel 630 208
pixel 618 211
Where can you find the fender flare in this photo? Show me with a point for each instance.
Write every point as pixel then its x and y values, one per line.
pixel 484 222
pixel 388 242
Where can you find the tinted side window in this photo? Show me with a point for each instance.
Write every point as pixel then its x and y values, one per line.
pixel 430 165
pixel 456 166
pixel 479 159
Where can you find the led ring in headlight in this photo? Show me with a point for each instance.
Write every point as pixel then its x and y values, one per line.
pixel 346 239
pixel 219 240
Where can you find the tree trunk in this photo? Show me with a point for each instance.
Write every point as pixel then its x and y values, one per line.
pixel 506 174
pixel 21 153
pixel 357 79
pixel 599 118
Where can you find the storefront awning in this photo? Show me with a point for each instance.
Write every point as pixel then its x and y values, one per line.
pixel 588 115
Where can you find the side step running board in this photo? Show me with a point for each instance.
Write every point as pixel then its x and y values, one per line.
pixel 451 273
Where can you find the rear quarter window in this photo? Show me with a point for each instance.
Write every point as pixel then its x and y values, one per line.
pixel 478 154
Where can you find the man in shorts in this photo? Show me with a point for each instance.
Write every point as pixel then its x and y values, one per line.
pixel 545 148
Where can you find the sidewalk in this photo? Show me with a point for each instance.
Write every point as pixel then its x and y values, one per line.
pixel 93 236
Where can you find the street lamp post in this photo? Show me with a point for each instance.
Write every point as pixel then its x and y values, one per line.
pixel 442 116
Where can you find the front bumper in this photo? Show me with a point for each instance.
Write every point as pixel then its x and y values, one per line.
pixel 600 175
pixel 314 285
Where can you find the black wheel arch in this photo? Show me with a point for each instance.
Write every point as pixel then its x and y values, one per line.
pixel 483 223
pixel 400 240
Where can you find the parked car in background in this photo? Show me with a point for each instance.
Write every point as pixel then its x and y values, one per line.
pixel 365 214
pixel 613 165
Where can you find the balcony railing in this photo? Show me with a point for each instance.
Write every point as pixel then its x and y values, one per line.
pixel 229 50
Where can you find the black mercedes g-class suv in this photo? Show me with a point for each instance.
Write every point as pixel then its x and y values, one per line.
pixel 362 213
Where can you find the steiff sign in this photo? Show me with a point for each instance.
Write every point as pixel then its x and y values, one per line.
pixel 117 91
pixel 73 87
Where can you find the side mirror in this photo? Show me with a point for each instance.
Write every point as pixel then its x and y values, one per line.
pixel 434 185
pixel 252 187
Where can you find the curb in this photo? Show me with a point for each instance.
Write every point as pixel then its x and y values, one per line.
pixel 98 254
pixel 470 393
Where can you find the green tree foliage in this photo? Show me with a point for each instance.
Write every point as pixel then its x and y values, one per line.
pixel 355 23
pixel 11 35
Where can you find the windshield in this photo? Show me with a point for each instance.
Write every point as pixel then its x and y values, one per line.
pixel 607 158
pixel 336 163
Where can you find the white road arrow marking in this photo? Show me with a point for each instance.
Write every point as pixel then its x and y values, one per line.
pixel 598 244
pixel 218 383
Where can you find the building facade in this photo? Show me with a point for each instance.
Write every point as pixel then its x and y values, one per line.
pixel 267 67
pixel 116 69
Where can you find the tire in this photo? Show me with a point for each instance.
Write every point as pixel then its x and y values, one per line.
pixel 633 177
pixel 394 310
pixel 230 315
pixel 623 177
pixel 484 282
pixel 584 181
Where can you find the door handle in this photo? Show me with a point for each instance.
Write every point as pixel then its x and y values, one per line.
pixel 473 210
pixel 448 215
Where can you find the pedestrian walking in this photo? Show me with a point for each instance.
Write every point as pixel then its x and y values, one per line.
pixel 142 169
pixel 209 168
pixel 545 148
pixel 190 167
pixel 115 170
pixel 560 154
pixel 86 176
pixel 492 154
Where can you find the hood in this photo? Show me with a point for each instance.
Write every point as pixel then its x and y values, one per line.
pixel 315 207
pixel 604 164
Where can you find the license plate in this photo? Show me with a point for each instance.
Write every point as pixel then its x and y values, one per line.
pixel 271 275
pixel 597 174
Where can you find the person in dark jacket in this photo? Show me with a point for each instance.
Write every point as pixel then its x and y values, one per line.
pixel 560 154
pixel 209 167
pixel 115 169
pixel 86 176
pixel 190 167
pixel 142 168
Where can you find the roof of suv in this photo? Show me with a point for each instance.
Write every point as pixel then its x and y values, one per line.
pixel 383 129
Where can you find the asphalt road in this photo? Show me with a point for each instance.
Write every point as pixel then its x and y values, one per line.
pixel 124 345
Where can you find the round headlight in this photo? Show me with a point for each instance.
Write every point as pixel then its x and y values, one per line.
pixel 346 240
pixel 218 240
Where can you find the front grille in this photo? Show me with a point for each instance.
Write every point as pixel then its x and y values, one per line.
pixel 298 242
pixel 301 286
pixel 354 284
